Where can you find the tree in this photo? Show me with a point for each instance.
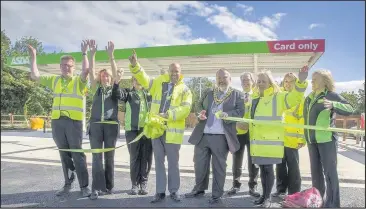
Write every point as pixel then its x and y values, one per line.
pixel 194 86
pixel 20 95
pixel 5 48
pixel 355 100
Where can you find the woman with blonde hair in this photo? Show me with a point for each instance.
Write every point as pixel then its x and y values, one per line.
pixel 103 123
pixel 266 142
pixel 320 109
pixel 288 175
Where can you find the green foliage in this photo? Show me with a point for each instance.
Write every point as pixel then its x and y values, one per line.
pixel 357 100
pixel 20 95
pixel 194 85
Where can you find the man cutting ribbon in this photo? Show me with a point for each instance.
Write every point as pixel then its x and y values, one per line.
pixel 215 137
pixel 171 99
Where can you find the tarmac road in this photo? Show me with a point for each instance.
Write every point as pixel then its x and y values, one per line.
pixel 30 185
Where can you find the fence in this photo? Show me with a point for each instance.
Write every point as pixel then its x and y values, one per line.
pixel 10 121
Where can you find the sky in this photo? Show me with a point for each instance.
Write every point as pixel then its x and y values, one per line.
pixel 62 25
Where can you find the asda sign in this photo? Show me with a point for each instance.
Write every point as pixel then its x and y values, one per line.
pixel 20 60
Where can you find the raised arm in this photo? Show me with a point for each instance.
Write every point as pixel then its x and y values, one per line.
pixel 295 96
pixel 33 63
pixel 110 51
pixel 85 62
pixel 139 73
pixel 93 50
pixel 340 105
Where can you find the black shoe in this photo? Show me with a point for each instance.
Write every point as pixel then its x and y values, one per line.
pixel 65 190
pixel 143 189
pixel 94 195
pixel 109 191
pixel 174 196
pixel 85 192
pixel 214 200
pixel 259 201
pixel 266 204
pixel 158 197
pixel 194 194
pixel 278 194
pixel 253 192
pixel 233 190
pixel 134 190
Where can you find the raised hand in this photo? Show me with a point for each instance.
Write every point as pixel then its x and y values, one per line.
pixel 84 46
pixel 303 73
pixel 92 47
pixel 32 51
pixel 133 58
pixel 119 75
pixel 110 49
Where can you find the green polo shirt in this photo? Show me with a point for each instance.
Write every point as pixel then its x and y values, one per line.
pixel 143 108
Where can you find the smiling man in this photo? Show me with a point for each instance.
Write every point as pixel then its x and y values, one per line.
pixel 214 136
pixel 172 100
pixel 67 115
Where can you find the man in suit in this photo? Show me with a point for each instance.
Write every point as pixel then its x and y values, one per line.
pixel 214 136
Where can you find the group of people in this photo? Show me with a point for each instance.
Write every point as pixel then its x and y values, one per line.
pixel 213 137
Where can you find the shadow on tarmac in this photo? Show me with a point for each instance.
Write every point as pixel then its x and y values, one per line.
pixel 74 199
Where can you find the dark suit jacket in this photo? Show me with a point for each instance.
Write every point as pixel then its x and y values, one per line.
pixel 233 106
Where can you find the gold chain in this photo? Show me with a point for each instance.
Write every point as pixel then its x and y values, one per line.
pixel 216 98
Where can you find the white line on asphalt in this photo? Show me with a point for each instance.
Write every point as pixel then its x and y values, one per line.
pixel 347 185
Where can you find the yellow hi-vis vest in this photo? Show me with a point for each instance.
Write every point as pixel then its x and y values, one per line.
pixel 180 103
pixel 267 142
pixel 69 101
pixel 294 136
pixel 247 106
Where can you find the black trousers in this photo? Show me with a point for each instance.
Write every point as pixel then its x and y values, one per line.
pixel 238 163
pixel 140 157
pixel 68 134
pixel 103 178
pixel 267 178
pixel 323 156
pixel 288 172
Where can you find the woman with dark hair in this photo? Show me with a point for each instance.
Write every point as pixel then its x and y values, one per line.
pixel 137 105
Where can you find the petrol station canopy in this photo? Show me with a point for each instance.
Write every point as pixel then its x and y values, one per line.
pixel 199 60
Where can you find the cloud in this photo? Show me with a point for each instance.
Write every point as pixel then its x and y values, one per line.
pixel 63 25
pixel 128 24
pixel 274 21
pixel 241 29
pixel 315 25
pixel 247 9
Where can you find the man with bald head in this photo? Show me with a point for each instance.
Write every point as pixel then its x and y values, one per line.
pixel 214 136
pixel 171 99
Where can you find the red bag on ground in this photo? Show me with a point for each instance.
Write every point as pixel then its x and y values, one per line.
pixel 309 198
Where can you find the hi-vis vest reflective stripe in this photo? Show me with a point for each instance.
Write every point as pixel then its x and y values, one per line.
pixel 293 136
pixel 266 141
pixel 69 101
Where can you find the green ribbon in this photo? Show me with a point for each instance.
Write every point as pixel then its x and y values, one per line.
pixel 280 123
pixel 104 149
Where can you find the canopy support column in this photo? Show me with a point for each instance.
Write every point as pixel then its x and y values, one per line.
pixel 255 63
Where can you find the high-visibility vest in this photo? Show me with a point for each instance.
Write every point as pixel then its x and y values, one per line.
pixel 69 101
pixel 180 103
pixel 294 136
pixel 247 106
pixel 266 142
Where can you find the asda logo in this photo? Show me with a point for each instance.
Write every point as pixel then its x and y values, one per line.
pixel 20 60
